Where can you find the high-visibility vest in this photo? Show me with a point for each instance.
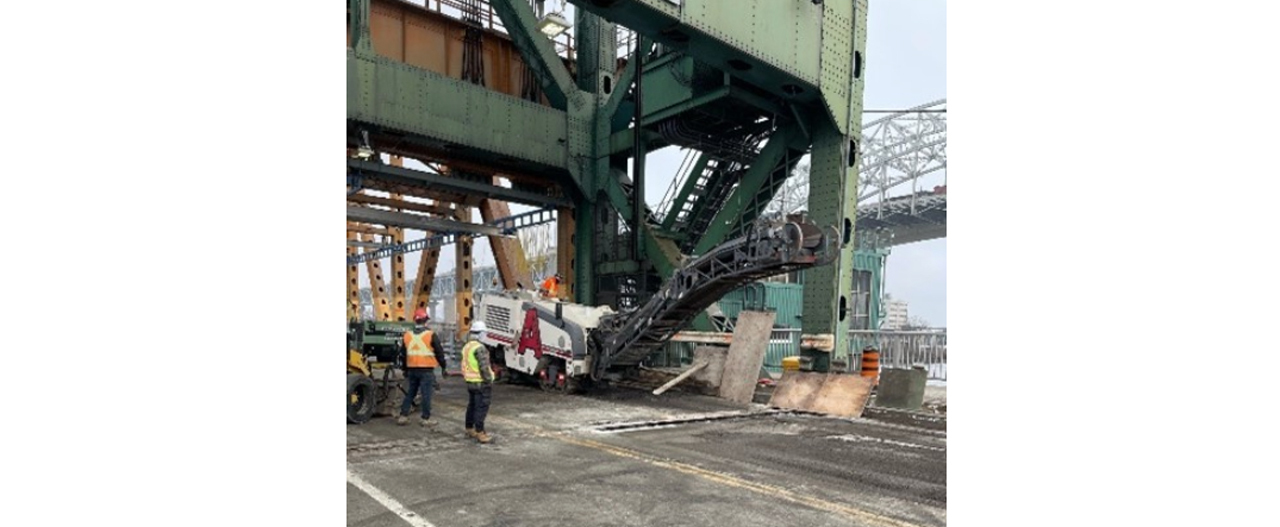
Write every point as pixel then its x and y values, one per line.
pixel 550 286
pixel 471 364
pixel 419 351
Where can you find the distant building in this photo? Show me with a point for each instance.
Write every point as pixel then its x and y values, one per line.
pixel 895 314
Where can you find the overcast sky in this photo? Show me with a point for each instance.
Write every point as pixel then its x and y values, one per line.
pixel 906 66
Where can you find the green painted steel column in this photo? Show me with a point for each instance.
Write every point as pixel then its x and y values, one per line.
pixel 360 40
pixel 833 184
pixel 595 78
pixel 639 218
pixel 584 269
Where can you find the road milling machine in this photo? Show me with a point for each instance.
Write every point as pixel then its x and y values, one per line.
pixel 566 346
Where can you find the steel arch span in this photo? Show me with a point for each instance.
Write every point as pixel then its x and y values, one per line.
pixel 897 150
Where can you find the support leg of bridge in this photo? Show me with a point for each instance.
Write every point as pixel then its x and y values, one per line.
pixel 828 302
pixel 508 255
pixel 463 275
pixel 353 282
pixel 377 285
pixel 566 253
pixel 398 302
pixel 833 191
pixel 426 278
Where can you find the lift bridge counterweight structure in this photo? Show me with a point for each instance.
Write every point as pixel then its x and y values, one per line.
pixel 561 118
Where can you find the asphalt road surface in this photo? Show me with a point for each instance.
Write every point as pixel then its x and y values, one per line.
pixel 625 457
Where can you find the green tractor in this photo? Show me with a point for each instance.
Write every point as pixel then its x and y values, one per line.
pixel 373 350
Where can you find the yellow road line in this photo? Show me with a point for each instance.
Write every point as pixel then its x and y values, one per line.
pixel 723 479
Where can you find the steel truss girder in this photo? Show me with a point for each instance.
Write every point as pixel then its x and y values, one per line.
pixel 417 221
pixel 717 32
pixel 368 245
pixel 400 204
pixel 505 226
pixel 457 117
pixel 902 147
pixel 370 170
pixel 897 150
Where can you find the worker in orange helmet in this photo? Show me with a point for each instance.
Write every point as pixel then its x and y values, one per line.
pixel 551 285
pixel 423 354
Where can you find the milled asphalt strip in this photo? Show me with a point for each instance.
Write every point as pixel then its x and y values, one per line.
pixel 386 500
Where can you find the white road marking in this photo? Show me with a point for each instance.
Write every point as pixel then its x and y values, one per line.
pixel 856 437
pixel 386 500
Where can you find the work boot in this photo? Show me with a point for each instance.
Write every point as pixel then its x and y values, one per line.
pixel 402 420
pixel 483 437
pixel 426 421
pixel 471 432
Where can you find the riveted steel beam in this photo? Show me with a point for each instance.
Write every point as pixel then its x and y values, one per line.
pixel 367 245
pixel 353 279
pixel 462 272
pixel 398 300
pixel 437 240
pixel 566 253
pixel 513 268
pixel 772 44
pixel 418 221
pixel 369 170
pixel 377 285
pixel 538 53
pixel 399 203
pixel 454 118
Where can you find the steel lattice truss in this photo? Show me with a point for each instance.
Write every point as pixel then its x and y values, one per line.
pixel 896 150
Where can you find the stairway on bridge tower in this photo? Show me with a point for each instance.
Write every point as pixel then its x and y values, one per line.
pixel 717 190
pixel 702 180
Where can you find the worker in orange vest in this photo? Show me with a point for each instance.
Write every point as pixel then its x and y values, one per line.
pixel 551 285
pixel 423 354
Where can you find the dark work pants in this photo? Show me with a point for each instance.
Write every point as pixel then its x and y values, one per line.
pixel 419 378
pixel 478 397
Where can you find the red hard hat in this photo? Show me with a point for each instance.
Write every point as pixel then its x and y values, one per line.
pixel 420 314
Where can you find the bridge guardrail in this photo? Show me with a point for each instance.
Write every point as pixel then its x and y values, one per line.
pixel 898 349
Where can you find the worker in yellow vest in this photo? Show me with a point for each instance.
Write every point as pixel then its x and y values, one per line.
pixel 422 355
pixel 478 373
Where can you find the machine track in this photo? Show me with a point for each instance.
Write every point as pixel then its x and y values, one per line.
pixel 766 249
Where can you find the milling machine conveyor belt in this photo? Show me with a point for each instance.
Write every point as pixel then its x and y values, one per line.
pixel 625 339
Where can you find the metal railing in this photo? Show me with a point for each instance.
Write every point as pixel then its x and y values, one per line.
pixel 898 349
pixel 448 332
pixel 904 349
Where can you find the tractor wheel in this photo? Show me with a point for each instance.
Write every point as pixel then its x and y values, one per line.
pixel 360 398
